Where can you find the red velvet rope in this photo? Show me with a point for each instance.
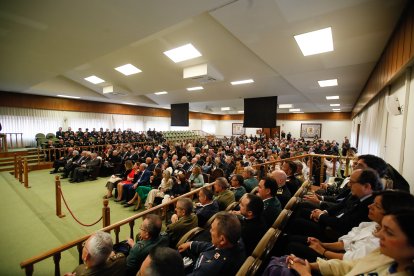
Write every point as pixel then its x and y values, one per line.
pixel 70 211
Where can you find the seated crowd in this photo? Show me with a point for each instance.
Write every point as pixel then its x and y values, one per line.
pixel 360 225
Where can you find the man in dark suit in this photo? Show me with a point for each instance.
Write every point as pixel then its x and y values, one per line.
pixel 272 207
pixel 80 172
pixel 207 206
pixel 342 217
pixel 282 193
pixel 253 226
pixel 293 184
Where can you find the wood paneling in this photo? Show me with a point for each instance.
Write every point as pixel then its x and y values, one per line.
pixel 397 55
pixel 52 103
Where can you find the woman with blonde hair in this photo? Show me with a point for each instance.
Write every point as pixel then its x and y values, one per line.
pixel 196 178
pixel 165 187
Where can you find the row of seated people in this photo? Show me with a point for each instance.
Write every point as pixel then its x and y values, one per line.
pixel 339 218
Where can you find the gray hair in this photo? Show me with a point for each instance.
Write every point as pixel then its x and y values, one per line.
pixel 100 247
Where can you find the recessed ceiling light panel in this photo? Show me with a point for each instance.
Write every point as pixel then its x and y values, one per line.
pixel 294 110
pixel 67 96
pixel 242 82
pixel 195 88
pixel 94 79
pixel 315 42
pixel 183 53
pixel 285 105
pixel 240 111
pixel 225 108
pixel 161 93
pixel 332 97
pixel 335 105
pixel 128 69
pixel 336 109
pixel 326 83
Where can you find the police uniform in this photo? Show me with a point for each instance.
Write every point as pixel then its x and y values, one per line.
pixel 216 261
pixel 114 265
pixel 283 194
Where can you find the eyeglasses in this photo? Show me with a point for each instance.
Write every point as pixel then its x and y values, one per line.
pixel 143 229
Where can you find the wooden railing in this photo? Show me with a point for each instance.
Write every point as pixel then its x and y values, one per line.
pixel 266 166
pixel 28 265
pixel 11 140
pixel 21 170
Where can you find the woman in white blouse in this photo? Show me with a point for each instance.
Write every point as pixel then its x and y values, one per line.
pixel 165 186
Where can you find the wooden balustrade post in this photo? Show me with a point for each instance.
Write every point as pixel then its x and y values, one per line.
pixel 38 156
pixel 334 167
pixel 20 165
pixel 106 214
pixel 131 229
pixel 80 248
pixel 322 169
pixel 26 174
pixel 58 198
pixel 117 230
pixel 56 260
pixel 310 176
pixel 15 165
pixel 28 270
pixel 346 173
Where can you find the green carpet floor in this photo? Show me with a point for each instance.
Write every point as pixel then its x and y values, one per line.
pixel 29 225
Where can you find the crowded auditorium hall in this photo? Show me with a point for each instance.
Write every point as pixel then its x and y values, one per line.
pixel 220 137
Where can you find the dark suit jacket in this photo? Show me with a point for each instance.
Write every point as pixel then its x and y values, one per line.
pixel 252 230
pixel 206 212
pixel 271 211
pixel 144 179
pixel 347 214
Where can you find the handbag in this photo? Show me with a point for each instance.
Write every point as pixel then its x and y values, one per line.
pixel 278 267
pixel 122 247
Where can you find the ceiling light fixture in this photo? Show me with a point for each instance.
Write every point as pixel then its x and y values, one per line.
pixel 242 82
pixel 161 93
pixel 94 79
pixel 240 111
pixel 332 97
pixel 327 83
pixel 294 110
pixel 335 105
pixel 336 109
pixel 128 103
pixel 195 88
pixel 128 69
pixel 285 105
pixel 70 97
pixel 225 108
pixel 182 53
pixel 315 42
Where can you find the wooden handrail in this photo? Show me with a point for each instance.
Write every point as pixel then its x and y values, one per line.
pixel 28 264
pixel 311 156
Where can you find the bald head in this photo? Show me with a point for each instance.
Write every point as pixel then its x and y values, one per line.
pixel 280 177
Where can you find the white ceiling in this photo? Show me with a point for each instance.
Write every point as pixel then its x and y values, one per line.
pixel 48 47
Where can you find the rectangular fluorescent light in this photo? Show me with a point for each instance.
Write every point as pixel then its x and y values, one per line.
pixel 240 111
pixel 182 53
pixel 94 79
pixel 128 69
pixel 332 97
pixel 298 112
pixel 225 108
pixel 335 105
pixel 294 110
pixel 326 83
pixel 315 42
pixel 161 93
pixel 70 97
pixel 242 82
pixel 285 105
pixel 128 103
pixel 336 109
pixel 195 88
